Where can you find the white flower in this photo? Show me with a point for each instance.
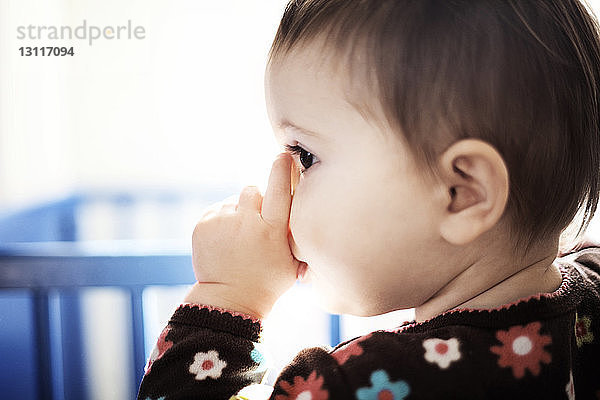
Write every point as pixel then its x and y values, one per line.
pixel 442 352
pixel 207 365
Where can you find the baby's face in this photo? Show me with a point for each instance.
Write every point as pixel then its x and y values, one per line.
pixel 362 217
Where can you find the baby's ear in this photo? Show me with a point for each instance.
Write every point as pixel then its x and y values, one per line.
pixel 476 178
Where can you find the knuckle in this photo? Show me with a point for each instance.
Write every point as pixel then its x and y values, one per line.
pixel 226 207
pixel 198 229
pixel 204 226
pixel 251 188
pixel 250 191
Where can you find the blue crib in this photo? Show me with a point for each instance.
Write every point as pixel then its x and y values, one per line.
pixel 45 262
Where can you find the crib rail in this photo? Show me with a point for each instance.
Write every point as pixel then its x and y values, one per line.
pixel 53 272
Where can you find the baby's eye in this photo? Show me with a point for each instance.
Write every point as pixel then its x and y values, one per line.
pixel 307 159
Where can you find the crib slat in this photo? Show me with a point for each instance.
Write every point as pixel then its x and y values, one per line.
pixel 137 319
pixel 334 330
pixel 42 324
pixel 72 345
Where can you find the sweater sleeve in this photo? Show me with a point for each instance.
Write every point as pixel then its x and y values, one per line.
pixel 209 353
pixel 204 353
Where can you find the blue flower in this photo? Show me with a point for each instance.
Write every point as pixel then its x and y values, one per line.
pixel 256 356
pixel 382 388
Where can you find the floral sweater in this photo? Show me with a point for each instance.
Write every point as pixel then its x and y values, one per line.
pixel 546 346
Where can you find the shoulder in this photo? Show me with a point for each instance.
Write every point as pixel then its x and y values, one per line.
pixel 405 350
pixel 585 262
pixel 408 362
pixel 590 257
pixel 442 361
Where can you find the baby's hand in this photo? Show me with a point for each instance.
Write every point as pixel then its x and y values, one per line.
pixel 241 254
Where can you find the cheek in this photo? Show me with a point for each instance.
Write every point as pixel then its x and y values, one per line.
pixel 313 220
pixel 352 223
pixel 321 218
pixel 305 221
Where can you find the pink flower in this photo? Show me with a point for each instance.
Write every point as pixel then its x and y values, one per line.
pixel 522 348
pixel 348 350
pixel 442 352
pixel 207 365
pixel 304 389
pixel 162 345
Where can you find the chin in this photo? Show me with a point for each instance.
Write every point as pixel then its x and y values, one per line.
pixel 329 302
pixel 337 305
pixel 337 308
pixel 333 308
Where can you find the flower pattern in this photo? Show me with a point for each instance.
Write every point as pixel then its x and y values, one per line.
pixel 310 388
pixel 442 352
pixel 570 389
pixel 162 345
pixel 258 356
pixel 383 389
pixel 582 330
pixel 348 350
pixel 207 365
pixel 522 348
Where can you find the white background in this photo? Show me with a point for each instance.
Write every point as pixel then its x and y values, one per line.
pixel 182 107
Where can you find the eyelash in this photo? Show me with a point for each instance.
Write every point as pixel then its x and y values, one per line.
pixel 298 150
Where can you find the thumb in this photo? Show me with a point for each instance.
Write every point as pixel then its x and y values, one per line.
pixel 278 197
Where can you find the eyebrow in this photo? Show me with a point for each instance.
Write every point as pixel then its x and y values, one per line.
pixel 286 125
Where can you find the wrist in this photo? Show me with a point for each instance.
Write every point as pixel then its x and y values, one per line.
pixel 220 296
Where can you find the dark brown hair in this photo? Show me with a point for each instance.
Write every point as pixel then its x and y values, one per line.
pixel 522 75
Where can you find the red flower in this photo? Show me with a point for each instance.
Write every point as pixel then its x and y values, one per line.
pixel 309 389
pixel 348 350
pixel 522 348
pixel 583 333
pixel 162 345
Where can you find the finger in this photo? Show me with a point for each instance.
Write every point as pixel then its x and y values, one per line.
pixel 222 205
pixel 227 208
pixel 233 199
pixel 278 197
pixel 212 209
pixel 295 177
pixel 208 214
pixel 250 199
